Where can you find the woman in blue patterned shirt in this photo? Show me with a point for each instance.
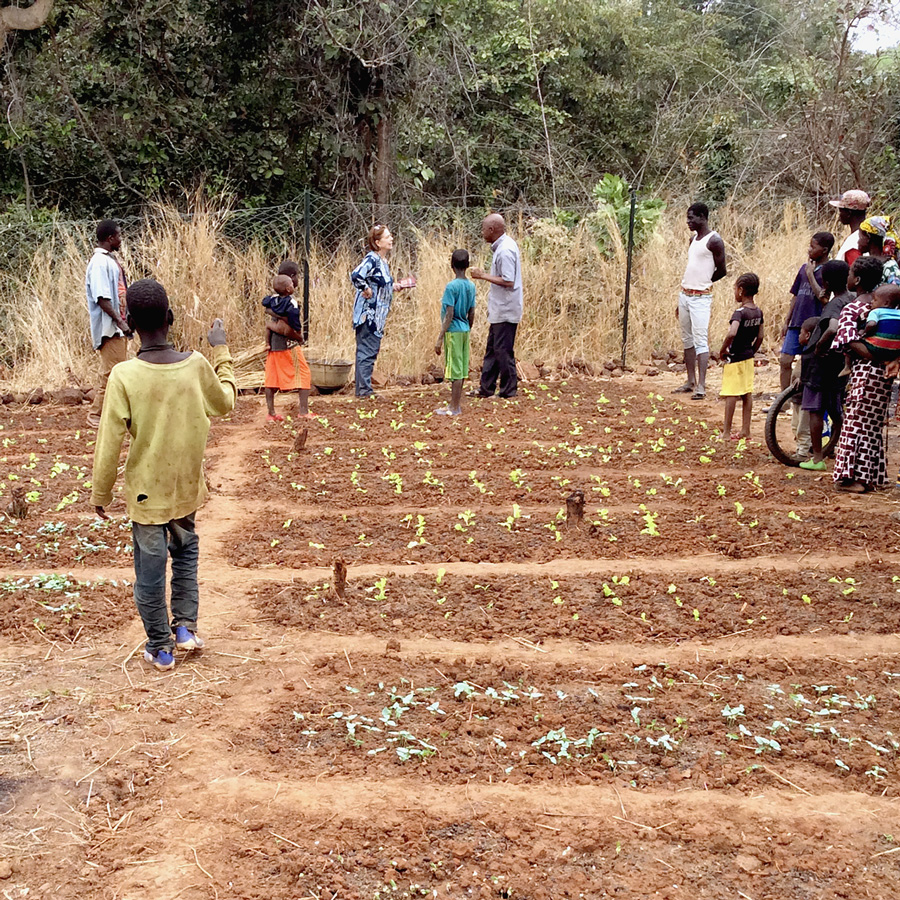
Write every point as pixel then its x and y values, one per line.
pixel 374 291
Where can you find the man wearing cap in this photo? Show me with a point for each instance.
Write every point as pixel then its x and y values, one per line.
pixel 851 207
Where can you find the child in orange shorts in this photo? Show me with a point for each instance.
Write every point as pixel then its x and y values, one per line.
pixel 286 367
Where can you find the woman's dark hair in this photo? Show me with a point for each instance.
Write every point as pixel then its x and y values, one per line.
pixel 825 239
pixel 834 274
pixel 748 283
pixel 699 209
pixel 459 261
pixel 106 229
pixel 148 304
pixel 869 273
pixel 376 232
pixel 876 242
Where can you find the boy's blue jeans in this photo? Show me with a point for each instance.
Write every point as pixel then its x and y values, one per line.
pixel 153 544
pixel 367 346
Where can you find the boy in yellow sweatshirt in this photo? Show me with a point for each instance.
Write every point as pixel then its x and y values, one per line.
pixel 164 399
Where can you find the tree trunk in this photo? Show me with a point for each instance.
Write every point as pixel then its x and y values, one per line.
pixel 381 181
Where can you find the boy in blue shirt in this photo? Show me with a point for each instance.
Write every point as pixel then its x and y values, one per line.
pixel 457 317
pixel 808 296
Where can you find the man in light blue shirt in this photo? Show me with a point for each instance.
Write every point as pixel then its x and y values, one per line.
pixel 104 284
pixel 504 309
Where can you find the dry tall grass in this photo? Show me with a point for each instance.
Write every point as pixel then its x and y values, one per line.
pixel 573 295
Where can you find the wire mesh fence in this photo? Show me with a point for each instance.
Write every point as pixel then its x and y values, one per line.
pixel 217 260
pixel 281 229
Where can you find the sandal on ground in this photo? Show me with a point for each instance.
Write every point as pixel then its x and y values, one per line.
pixel 811 466
pixel 276 418
pixel 684 389
pixel 698 395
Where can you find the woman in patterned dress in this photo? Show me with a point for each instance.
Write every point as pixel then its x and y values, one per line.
pixel 859 464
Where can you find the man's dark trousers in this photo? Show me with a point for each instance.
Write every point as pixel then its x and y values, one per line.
pixel 500 360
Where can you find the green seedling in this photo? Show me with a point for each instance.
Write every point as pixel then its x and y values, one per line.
pixel 733 713
pixel 468 519
pixel 610 595
pixel 649 522
pixel 511 521
pixel 420 529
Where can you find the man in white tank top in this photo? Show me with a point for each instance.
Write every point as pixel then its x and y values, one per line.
pixel 706 264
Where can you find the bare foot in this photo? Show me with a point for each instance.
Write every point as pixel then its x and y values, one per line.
pixel 851 487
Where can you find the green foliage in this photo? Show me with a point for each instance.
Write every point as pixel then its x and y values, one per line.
pixel 113 104
pixel 613 200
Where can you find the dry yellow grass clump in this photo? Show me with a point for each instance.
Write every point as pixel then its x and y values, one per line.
pixel 573 295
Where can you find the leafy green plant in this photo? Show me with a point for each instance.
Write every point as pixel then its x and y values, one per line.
pixel 649 521
pixel 611 217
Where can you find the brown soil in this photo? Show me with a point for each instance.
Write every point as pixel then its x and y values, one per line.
pixel 509 708
pixel 284 537
pixel 59 607
pixel 658 725
pixel 618 606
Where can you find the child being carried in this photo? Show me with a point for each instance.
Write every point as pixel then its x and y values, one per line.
pixel 286 367
pixel 880 336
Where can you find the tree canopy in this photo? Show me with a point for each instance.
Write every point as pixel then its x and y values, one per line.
pixel 109 105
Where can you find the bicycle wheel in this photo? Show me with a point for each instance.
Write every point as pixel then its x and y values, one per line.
pixel 781 422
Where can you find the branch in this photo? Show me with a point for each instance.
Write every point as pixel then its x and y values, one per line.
pixel 13 18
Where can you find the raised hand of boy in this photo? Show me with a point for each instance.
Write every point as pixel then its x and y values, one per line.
pixel 216 336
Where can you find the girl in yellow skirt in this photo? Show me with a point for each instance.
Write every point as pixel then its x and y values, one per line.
pixel 286 367
pixel 745 335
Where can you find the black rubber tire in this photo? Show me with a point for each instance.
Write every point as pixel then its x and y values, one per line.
pixel 783 455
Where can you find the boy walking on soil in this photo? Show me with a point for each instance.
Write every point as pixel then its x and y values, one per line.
pixel 745 334
pixel 457 317
pixel 286 366
pixel 164 399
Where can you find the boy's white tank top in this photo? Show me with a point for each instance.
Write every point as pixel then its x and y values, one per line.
pixel 700 265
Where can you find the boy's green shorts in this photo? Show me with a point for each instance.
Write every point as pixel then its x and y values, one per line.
pixel 456 355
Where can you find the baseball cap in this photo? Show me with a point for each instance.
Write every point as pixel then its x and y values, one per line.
pixel 852 200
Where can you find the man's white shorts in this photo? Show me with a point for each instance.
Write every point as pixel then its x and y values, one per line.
pixel 693 316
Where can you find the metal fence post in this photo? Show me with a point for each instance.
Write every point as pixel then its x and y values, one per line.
pixel 307 229
pixel 628 275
